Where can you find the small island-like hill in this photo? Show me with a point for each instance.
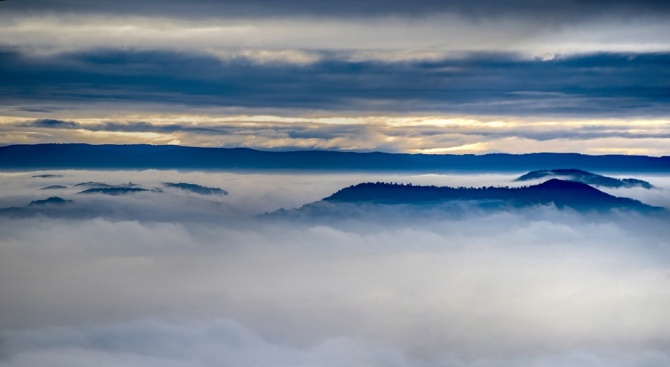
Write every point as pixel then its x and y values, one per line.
pixel 576 175
pixel 562 194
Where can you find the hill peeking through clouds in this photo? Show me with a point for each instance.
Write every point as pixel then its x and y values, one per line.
pixel 568 194
pixel 588 178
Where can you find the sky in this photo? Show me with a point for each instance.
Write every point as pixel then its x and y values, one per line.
pixel 422 76
pixel 212 268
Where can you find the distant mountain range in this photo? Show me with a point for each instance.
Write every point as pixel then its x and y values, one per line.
pixel 359 198
pixel 52 206
pixel 114 191
pixel 562 194
pixel 84 156
pixel 54 187
pixel 588 178
pixel 198 189
pixel 54 200
pixel 92 187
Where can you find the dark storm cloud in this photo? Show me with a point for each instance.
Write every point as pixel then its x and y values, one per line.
pixel 127 127
pixel 55 124
pixel 294 130
pixel 38 109
pixel 595 85
pixel 558 9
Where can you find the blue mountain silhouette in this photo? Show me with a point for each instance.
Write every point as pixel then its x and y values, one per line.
pixel 562 194
pixel 65 156
pixel 114 190
pixel 54 187
pixel 198 189
pixel 54 200
pixel 585 177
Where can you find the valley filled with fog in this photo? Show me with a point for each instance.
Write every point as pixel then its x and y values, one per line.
pixel 203 268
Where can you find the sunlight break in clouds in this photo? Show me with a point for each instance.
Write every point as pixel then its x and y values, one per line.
pixel 426 134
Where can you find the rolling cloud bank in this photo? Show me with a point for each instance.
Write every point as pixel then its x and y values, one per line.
pixel 177 277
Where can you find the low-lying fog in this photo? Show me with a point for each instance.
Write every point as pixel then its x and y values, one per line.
pixel 177 278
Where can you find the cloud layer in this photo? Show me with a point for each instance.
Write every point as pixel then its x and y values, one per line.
pixel 349 8
pixel 595 85
pixel 155 285
pixel 479 59
pixel 425 134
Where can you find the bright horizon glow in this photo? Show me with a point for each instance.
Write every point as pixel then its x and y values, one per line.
pixel 420 134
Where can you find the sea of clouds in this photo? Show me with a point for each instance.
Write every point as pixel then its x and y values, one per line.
pixel 176 278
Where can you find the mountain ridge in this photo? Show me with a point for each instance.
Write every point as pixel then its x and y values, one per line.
pixel 585 177
pixel 142 156
pixel 562 194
